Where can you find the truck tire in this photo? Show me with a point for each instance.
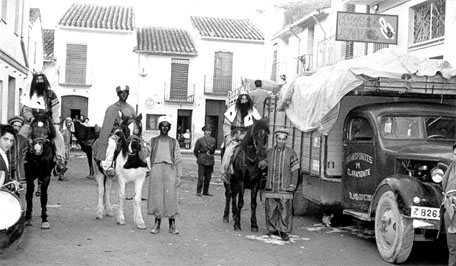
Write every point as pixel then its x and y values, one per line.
pixel 394 234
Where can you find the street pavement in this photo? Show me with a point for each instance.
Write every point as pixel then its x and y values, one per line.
pixel 77 238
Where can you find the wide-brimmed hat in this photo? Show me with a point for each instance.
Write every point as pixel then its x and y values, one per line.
pixel 16 118
pixel 281 130
pixel 207 127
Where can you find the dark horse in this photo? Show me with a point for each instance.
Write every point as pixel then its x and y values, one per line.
pixel 247 174
pixel 86 136
pixel 39 162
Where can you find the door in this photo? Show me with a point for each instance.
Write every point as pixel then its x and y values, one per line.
pixel 74 105
pixel 358 179
pixel 215 110
pixel 184 123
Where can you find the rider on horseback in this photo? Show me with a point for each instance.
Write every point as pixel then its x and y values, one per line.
pixel 41 99
pixel 107 142
pixel 237 118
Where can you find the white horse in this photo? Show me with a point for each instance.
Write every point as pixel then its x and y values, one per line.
pixel 131 167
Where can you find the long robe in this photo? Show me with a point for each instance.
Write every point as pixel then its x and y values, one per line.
pixel 166 168
pixel 283 166
pixel 113 114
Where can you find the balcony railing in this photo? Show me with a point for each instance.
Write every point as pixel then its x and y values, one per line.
pixel 180 95
pixel 220 85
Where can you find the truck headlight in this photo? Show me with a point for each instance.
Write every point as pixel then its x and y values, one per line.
pixel 437 175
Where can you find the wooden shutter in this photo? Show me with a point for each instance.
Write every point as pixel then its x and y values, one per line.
pixel 274 66
pixel 76 64
pixel 223 71
pixel 179 79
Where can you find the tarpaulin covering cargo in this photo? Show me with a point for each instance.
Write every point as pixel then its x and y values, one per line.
pixel 311 101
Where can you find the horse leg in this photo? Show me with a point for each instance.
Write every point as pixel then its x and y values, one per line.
pixel 90 161
pixel 226 213
pixel 120 212
pixel 137 203
pixel 253 205
pixel 235 210
pixel 239 208
pixel 107 199
pixel 29 200
pixel 101 190
pixel 44 199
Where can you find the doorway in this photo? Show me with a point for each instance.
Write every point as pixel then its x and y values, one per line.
pixel 184 122
pixel 215 110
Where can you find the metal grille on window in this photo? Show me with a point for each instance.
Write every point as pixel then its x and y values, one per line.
pixel 429 21
pixel 76 64
pixel 179 80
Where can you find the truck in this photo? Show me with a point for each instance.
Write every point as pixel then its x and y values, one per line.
pixel 374 137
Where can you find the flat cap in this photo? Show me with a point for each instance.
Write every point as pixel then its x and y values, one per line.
pixel 281 130
pixel 16 118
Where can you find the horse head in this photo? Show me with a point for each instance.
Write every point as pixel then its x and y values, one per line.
pixel 256 140
pixel 43 131
pixel 131 128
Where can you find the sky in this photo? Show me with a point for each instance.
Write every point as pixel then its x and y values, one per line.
pixel 163 13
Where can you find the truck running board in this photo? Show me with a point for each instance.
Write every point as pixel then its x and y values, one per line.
pixel 358 215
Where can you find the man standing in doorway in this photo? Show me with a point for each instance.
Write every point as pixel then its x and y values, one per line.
pixel 17 151
pixel 204 151
pixel 281 182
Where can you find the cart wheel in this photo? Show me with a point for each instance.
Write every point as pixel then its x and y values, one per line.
pixel 394 234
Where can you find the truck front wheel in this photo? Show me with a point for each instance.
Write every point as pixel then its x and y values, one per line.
pixel 394 234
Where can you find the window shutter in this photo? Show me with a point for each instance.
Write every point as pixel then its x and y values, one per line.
pixel 179 79
pixel 76 64
pixel 274 66
pixel 223 71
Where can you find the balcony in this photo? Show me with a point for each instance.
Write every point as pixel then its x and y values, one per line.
pixel 220 85
pixel 179 94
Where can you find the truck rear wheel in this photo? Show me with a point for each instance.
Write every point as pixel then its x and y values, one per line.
pixel 394 234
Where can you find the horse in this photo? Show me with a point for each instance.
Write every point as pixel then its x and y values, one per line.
pixel 39 162
pixel 86 136
pixel 131 166
pixel 247 173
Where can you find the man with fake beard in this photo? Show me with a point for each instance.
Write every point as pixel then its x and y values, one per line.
pixel 237 118
pixel 41 99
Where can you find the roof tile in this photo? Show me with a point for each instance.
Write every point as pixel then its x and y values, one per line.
pixel 99 17
pixel 155 40
pixel 241 29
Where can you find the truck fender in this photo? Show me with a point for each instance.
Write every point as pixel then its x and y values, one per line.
pixel 406 188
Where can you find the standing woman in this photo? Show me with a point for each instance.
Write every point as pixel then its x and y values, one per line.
pixel 165 177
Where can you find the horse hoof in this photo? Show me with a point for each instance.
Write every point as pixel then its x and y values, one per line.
pixel 226 220
pixel 141 226
pixel 28 222
pixel 237 228
pixel 110 213
pixel 45 225
pixel 254 229
pixel 90 177
pixel 120 223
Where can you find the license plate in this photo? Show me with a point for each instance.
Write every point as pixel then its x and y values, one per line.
pixel 425 213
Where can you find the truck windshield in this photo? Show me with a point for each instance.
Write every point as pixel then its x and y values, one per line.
pixel 416 127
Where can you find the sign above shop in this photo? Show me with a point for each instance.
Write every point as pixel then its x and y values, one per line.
pixel 363 27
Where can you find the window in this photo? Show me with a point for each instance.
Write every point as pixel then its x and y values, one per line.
pixel 152 121
pixel 223 71
pixel 401 127
pixel 379 46
pixel 179 79
pixel 360 129
pixel 429 21
pixel 4 9
pixel 76 64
